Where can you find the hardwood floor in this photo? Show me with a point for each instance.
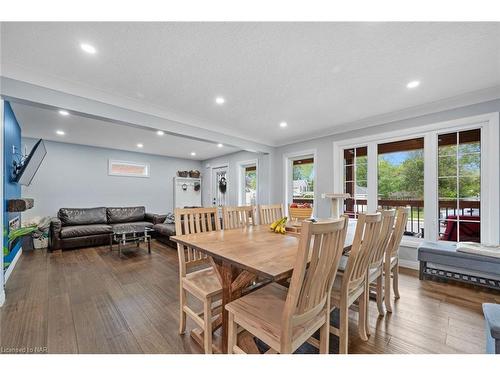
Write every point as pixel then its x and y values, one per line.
pixel 91 301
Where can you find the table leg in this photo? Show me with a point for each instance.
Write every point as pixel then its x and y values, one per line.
pixel 227 280
pixel 110 242
pixel 149 245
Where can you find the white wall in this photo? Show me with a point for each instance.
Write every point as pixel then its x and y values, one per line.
pixel 77 176
pixel 232 160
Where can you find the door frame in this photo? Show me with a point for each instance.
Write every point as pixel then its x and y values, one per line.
pixel 288 176
pixel 240 166
pixel 212 182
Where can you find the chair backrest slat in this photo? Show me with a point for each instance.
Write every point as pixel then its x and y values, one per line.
pixel 377 255
pixel 239 217
pixel 402 214
pixel 270 213
pixel 190 221
pixel 365 239
pixel 318 257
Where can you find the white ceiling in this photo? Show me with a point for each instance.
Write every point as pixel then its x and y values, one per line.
pixel 43 123
pixel 315 76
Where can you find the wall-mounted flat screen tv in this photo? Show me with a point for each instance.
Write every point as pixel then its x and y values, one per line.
pixel 30 166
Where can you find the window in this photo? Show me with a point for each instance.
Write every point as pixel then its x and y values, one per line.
pixel 401 180
pixel 356 180
pixel 128 168
pixel 248 182
pixel 303 180
pixel 459 185
pixel 451 166
pixel 250 188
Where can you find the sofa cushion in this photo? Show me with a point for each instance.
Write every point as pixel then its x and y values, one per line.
pixel 125 214
pixel 137 226
pixel 84 230
pixel 82 216
pixel 492 316
pixel 165 229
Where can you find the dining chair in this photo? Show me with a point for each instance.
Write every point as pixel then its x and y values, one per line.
pixel 391 261
pixel 239 217
pixel 270 213
pixel 202 283
pixel 350 285
pixel 376 263
pixel 285 318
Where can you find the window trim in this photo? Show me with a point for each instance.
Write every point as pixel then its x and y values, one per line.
pixel 144 165
pixel 288 174
pixel 241 178
pixel 490 174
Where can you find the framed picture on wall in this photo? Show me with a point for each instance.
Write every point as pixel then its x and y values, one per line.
pixel 127 168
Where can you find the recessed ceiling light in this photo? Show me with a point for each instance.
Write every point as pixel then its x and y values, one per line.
pixel 283 124
pixel 62 112
pixel 140 145
pixel 160 132
pixel 60 132
pixel 220 145
pixel 413 84
pixel 193 154
pixel 220 100
pixel 88 48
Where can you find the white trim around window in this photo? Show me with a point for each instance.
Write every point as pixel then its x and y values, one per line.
pixel 490 171
pixel 137 169
pixel 287 170
pixel 241 180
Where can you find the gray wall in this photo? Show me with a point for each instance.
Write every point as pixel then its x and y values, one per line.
pixel 77 176
pixel 232 160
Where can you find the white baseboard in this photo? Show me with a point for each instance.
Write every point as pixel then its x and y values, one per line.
pixel 411 264
pixel 12 265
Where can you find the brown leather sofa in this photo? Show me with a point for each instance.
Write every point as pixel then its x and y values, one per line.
pixel 163 232
pixel 82 227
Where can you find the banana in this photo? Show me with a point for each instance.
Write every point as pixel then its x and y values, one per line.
pixel 278 223
pixel 275 224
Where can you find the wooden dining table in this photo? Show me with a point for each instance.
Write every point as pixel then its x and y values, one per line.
pixel 244 255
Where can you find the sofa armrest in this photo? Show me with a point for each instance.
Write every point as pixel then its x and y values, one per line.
pixel 54 234
pixel 492 316
pixel 155 218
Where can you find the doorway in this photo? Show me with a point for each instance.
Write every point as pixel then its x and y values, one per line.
pixel 220 188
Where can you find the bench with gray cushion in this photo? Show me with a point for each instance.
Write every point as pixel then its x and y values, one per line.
pixel 492 320
pixel 442 260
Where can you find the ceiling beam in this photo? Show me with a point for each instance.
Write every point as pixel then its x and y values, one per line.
pixel 27 93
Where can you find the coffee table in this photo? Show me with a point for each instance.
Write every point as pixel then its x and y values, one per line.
pixel 132 234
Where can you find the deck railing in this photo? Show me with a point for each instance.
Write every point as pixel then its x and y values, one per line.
pixel 415 225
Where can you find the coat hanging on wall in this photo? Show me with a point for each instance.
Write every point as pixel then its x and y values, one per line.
pixel 223 185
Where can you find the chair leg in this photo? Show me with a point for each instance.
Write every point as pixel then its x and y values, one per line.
pixel 387 290
pixel 232 334
pixel 324 336
pixel 344 328
pixel 207 329
pixel 182 314
pixel 363 307
pixel 395 283
pixel 380 296
pixel 367 309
